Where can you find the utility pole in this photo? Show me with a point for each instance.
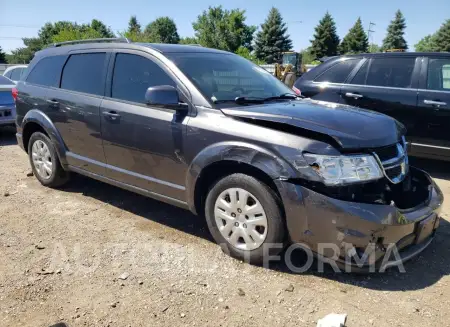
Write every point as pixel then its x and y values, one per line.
pixel 369 30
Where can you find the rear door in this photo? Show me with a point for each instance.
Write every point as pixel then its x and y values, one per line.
pixel 75 109
pixel 387 84
pixel 434 101
pixel 326 85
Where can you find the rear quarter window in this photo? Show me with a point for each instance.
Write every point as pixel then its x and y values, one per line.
pixel 47 71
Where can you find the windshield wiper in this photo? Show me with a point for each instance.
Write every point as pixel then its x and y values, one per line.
pixel 284 96
pixel 247 100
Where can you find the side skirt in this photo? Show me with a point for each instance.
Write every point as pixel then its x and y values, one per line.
pixel 131 188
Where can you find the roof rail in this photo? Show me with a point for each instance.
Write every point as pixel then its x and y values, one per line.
pixel 114 39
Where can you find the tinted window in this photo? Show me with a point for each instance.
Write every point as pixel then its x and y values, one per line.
pixel 439 74
pixel 360 77
pixel 47 71
pixel 339 72
pixel 8 74
pixel 16 73
pixel 227 76
pixel 391 72
pixel 5 81
pixel 85 73
pixel 133 75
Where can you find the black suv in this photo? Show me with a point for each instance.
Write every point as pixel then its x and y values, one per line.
pixel 414 88
pixel 211 132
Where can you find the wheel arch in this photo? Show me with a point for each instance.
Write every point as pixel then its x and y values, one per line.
pixel 220 160
pixel 35 120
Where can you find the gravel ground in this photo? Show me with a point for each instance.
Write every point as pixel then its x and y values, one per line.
pixel 94 255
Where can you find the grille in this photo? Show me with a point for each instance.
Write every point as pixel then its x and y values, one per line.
pixel 394 161
pixel 5 113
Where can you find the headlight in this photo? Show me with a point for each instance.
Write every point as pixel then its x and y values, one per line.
pixel 337 170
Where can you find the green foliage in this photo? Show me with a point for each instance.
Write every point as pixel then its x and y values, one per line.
pixel 326 40
pixel 307 56
pixel 373 48
pixel 355 41
pixel 162 30
pixel 188 40
pixel 133 26
pixel 245 52
pixel 395 33
pixel 223 29
pixel 426 44
pixel 100 28
pixel 74 33
pixel 272 39
pixel 2 56
pixel 441 39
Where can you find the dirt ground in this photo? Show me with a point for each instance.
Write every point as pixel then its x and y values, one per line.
pixel 94 255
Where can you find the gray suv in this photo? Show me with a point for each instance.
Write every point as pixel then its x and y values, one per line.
pixel 211 132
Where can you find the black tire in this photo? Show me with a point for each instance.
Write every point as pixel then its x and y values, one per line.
pixel 58 176
pixel 272 208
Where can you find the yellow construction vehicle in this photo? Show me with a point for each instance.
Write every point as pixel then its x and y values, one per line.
pixel 290 68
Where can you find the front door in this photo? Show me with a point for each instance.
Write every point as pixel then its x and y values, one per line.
pixel 434 100
pixel 143 145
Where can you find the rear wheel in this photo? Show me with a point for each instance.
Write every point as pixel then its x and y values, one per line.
pixel 243 215
pixel 45 162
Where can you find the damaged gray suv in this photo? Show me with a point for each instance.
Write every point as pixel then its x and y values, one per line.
pixel 211 132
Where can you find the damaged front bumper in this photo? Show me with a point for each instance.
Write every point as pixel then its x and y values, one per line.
pixel 336 230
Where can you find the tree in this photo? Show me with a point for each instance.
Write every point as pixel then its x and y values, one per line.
pixel 272 39
pixel 74 33
pixel 426 44
pixel 307 57
pixel 102 30
pixel 395 33
pixel 2 56
pixel 188 40
pixel 162 30
pixel 245 53
pixel 223 29
pixel 133 25
pixel 355 41
pixel 326 40
pixel 441 39
pixel 374 48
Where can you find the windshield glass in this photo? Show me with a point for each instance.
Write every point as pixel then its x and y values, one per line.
pixel 221 77
pixel 289 58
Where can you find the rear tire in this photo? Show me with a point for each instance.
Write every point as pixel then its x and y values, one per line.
pixel 244 217
pixel 45 161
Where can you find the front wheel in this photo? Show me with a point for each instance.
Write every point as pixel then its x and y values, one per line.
pixel 244 214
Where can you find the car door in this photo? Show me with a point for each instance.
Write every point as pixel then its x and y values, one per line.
pixel 434 101
pixel 75 109
pixel 143 144
pixel 326 85
pixel 387 84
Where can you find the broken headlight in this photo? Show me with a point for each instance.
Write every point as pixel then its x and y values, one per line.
pixel 338 170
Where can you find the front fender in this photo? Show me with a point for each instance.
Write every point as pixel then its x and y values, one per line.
pixel 36 116
pixel 241 152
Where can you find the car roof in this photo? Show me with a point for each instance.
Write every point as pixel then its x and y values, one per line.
pixel 390 54
pixel 158 47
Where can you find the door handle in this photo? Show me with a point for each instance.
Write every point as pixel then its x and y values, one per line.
pixel 353 95
pixel 53 103
pixel 435 103
pixel 112 115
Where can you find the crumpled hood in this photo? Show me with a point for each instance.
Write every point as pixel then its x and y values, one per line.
pixel 350 127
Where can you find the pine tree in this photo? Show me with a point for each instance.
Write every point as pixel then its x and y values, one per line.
pixel 133 25
pixel 162 30
pixel 326 40
pixel 272 40
pixel 441 40
pixel 2 56
pixel 355 41
pixel 395 32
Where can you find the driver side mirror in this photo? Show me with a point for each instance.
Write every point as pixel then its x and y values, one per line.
pixel 164 96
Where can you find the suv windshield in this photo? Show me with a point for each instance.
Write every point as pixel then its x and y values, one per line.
pixel 225 77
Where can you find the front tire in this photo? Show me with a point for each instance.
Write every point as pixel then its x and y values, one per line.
pixel 244 217
pixel 45 162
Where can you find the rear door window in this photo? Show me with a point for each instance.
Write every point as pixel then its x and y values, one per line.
pixel 133 75
pixel 438 74
pixel 16 73
pixel 47 71
pixel 388 72
pixel 339 72
pixel 85 73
